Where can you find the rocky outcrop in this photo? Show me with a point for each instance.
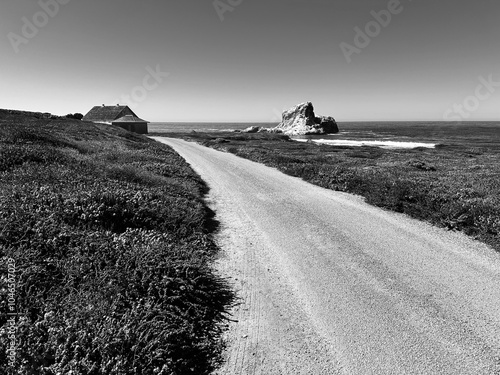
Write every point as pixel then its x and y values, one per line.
pixel 258 129
pixel 251 129
pixel 301 120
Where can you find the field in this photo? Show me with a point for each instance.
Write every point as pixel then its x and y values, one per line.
pixel 111 243
pixel 455 185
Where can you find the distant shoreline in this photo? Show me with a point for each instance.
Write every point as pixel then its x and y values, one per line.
pixel 484 134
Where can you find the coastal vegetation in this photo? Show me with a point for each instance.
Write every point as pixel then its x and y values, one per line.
pixel 105 247
pixel 455 185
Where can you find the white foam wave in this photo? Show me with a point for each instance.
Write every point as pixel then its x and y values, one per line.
pixel 382 144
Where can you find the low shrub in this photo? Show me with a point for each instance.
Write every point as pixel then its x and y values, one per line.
pixel 112 255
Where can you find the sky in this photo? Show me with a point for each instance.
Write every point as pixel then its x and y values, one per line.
pixel 248 60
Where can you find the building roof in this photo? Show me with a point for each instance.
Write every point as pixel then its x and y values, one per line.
pixel 129 119
pixel 107 114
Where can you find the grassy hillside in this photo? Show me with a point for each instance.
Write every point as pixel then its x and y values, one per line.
pixel 456 186
pixel 111 243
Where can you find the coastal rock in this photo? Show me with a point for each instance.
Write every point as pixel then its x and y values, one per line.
pixel 251 129
pixel 328 124
pixel 301 120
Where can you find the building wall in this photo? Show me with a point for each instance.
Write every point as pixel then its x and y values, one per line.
pixel 141 128
pixel 134 127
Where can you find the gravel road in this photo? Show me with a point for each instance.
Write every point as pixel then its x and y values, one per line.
pixel 331 285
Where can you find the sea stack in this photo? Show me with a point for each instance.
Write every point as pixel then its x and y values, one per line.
pixel 301 120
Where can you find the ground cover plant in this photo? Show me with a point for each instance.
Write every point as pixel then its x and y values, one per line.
pixel 456 185
pixel 111 243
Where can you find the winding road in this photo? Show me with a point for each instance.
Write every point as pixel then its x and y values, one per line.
pixel 331 285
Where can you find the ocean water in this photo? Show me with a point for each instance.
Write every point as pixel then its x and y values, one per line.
pixel 380 134
pixel 175 127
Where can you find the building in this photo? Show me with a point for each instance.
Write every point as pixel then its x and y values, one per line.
pixel 118 115
pixel 132 123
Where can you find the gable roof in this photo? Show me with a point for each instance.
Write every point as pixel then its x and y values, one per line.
pixel 107 114
pixel 129 119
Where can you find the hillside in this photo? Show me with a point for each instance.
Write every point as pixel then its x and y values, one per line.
pixel 111 243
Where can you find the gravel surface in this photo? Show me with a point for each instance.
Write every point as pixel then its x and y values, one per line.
pixel 331 285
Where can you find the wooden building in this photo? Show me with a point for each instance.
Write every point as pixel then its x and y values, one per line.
pixel 118 115
pixel 132 124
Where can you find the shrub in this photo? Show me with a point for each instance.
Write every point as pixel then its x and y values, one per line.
pixel 112 255
pixel 76 116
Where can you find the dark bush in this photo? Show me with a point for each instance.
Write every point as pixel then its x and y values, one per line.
pixel 75 116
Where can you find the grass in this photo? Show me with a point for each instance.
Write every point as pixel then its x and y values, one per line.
pixel 112 244
pixel 455 185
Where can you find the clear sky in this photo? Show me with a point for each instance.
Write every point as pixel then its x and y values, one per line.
pixel 247 60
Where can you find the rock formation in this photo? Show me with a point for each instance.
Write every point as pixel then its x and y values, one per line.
pixel 301 120
pixel 251 129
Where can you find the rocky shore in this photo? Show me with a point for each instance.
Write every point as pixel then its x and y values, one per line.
pixel 300 120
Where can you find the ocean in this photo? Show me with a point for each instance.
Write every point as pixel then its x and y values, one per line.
pixel 175 127
pixel 381 134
